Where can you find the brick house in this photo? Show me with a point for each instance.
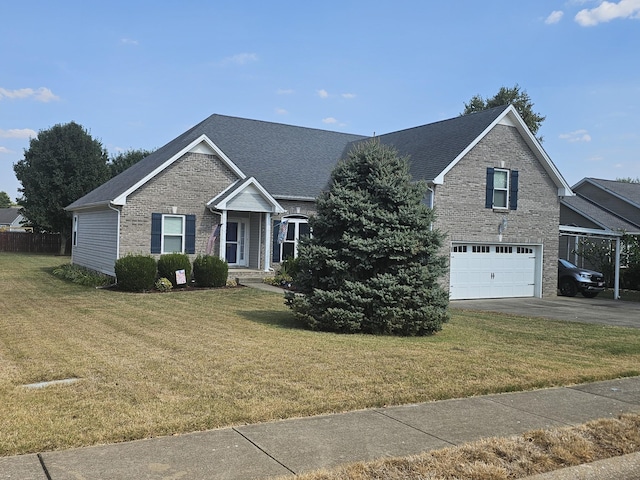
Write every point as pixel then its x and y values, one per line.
pixel 244 189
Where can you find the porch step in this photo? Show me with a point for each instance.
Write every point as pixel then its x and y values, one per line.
pixel 243 275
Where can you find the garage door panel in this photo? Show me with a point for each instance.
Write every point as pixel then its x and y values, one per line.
pixel 492 271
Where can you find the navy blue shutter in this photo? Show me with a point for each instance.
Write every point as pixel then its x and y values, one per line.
pixel 156 232
pixel 513 191
pixel 190 234
pixel 275 257
pixel 489 196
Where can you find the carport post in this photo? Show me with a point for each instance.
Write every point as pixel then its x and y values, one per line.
pixel 616 281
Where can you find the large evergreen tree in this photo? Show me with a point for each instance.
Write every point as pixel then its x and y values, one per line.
pixel 373 262
pixel 61 165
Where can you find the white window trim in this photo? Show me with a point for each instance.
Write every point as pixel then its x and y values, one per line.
pixel 75 231
pixel 163 235
pixel 297 220
pixel 506 189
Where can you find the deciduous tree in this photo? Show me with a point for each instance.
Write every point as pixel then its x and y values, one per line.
pixel 123 160
pixel 61 164
pixel 509 96
pixel 5 200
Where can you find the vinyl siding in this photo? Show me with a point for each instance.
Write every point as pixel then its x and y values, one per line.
pixel 97 244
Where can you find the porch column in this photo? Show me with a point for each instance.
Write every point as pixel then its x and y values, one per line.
pixel 616 281
pixel 223 235
pixel 267 242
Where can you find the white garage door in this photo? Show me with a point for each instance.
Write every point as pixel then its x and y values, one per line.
pixel 492 271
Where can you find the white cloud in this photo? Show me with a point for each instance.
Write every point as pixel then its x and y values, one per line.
pixel 42 94
pixel 329 120
pixel 349 95
pixel 18 133
pixel 240 59
pixel 128 41
pixel 285 91
pixel 554 17
pixel 576 136
pixel 608 11
pixel 281 111
pixel 323 93
pixel 5 150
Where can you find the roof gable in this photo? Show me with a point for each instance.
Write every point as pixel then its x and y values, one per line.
pixel 248 196
pixel 10 216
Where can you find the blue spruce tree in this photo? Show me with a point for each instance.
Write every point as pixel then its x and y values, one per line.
pixel 373 262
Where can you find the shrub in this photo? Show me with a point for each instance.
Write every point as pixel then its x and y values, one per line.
pixel 82 275
pixel 136 273
pixel 164 285
pixel 210 271
pixel 168 265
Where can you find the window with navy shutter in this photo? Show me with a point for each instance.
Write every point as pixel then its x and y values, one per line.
pixel 501 189
pixel 275 256
pixel 156 233
pixel 513 191
pixel 173 233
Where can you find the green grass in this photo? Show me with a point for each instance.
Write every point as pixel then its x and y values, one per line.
pixel 157 364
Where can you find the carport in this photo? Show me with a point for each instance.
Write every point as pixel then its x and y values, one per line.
pixel 581 232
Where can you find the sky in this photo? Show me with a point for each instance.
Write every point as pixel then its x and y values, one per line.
pixel 136 74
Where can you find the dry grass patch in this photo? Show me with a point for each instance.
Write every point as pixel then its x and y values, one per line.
pixel 158 364
pixel 531 453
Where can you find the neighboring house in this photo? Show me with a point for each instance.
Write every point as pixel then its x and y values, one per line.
pixel 603 208
pixel 244 190
pixel 11 220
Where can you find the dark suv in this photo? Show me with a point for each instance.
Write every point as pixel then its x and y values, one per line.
pixel 572 280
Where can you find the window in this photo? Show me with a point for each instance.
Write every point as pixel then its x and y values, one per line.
pixel 286 235
pixel 173 233
pixel 480 249
pixel 75 230
pixel 502 189
pixel 459 249
pixel 504 249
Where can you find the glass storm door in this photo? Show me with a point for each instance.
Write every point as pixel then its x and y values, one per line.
pixel 236 243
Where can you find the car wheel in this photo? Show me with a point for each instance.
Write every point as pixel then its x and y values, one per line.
pixel 568 287
pixel 590 294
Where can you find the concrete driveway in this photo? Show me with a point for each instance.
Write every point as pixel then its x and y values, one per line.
pixel 574 309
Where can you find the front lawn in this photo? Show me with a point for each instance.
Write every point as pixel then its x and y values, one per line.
pixel 158 364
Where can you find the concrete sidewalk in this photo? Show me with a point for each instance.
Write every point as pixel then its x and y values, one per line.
pixel 300 445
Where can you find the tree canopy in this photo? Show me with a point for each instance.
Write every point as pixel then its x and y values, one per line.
pixel 5 200
pixel 373 262
pixel 509 96
pixel 61 164
pixel 123 160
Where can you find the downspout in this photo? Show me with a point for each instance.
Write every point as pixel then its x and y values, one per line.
pixel 110 205
pixel 616 282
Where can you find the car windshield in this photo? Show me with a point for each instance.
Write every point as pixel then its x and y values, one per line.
pixel 567 264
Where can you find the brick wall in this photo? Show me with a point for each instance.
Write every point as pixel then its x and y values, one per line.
pixel 460 202
pixel 188 184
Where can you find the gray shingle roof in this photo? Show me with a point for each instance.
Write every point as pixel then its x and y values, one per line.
pixel 434 146
pixel 594 213
pixel 296 162
pixel 8 215
pixel 626 190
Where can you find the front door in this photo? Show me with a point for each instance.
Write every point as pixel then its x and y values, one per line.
pixel 236 253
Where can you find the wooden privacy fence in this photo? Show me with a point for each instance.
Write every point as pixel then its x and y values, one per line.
pixel 29 242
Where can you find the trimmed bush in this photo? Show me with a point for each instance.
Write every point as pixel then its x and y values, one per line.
pixel 171 262
pixel 136 273
pixel 210 271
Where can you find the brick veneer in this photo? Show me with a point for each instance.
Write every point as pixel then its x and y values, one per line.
pixel 460 201
pixel 188 184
